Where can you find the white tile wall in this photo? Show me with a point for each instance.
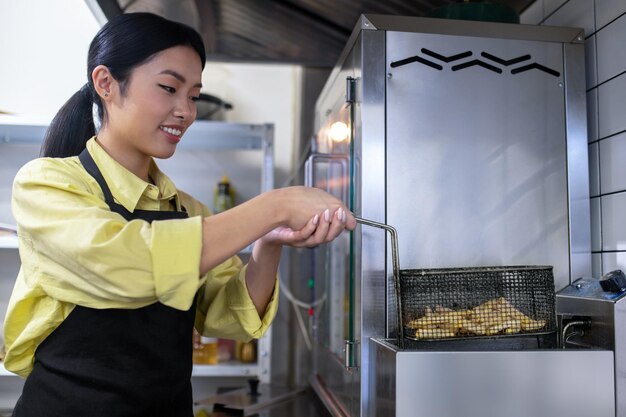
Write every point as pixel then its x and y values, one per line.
pixel 596 236
pixel 612 163
pixel 610 49
pixel 592 115
pixel 533 15
pixel 594 170
pixel 574 13
pixel 612 261
pixel 608 10
pixel 591 69
pixel 550 6
pixel 612 107
pixel 604 22
pixel 613 222
pixel 596 264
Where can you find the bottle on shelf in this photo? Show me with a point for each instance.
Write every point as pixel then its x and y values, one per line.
pixel 204 349
pixel 224 195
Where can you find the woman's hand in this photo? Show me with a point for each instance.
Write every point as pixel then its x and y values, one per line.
pixel 321 228
pixel 299 205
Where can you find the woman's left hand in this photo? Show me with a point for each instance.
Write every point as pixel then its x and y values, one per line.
pixel 322 228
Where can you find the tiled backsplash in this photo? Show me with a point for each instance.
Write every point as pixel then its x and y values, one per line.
pixel 604 22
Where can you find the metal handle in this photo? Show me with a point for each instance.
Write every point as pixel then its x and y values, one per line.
pixel 309 171
pixel 394 242
pixel 395 261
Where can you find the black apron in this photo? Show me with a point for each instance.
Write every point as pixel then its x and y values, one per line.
pixel 114 362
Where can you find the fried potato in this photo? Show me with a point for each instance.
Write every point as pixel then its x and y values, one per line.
pixel 495 316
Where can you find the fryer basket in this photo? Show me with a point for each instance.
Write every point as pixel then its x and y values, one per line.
pixel 471 302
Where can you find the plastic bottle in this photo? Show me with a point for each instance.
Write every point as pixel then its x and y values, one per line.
pixel 223 197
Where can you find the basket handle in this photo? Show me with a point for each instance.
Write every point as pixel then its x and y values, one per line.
pixel 395 261
pixel 394 242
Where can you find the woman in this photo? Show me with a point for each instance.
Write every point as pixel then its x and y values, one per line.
pixel 117 264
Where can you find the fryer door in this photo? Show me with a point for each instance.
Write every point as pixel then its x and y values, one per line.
pixel 333 327
pixel 477 152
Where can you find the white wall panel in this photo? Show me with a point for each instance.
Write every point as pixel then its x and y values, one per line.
pixel 611 54
pixel 596 235
pixel 574 13
pixel 607 10
pixel 533 15
pixel 596 265
pixel 592 115
pixel 614 222
pixel 612 261
pixel 612 156
pixel 591 69
pixel 612 106
pixel 550 6
pixel 594 170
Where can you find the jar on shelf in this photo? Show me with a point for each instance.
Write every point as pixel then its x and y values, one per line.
pixel 204 350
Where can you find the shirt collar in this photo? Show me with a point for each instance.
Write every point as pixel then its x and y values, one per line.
pixel 126 187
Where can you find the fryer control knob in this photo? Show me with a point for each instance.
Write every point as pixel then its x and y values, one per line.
pixel 614 281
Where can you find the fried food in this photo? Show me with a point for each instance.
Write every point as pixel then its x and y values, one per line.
pixel 493 317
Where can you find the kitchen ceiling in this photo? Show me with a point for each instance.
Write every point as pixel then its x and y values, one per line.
pixel 307 32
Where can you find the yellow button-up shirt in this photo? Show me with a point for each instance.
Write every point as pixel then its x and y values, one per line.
pixel 75 251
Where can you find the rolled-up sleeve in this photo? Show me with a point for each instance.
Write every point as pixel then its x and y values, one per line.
pixel 225 308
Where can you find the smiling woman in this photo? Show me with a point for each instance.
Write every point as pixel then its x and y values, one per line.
pixel 118 265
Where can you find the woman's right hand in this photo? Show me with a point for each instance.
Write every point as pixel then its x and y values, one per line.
pixel 290 212
pixel 299 205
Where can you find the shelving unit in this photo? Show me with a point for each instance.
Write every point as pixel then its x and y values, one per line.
pixel 4 372
pixel 8 242
pixel 201 136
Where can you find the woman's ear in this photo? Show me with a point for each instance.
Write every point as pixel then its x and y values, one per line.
pixel 102 81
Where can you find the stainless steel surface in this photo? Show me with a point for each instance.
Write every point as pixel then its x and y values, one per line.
pixel 470 165
pixel 395 262
pixel 584 299
pixel 577 161
pixel 532 383
pixel 374 290
pixel 477 175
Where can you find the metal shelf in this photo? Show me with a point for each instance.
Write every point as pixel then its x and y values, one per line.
pixel 8 242
pixel 4 372
pixel 202 134
pixel 225 369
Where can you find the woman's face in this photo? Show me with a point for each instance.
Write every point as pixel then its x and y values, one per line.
pixel 150 118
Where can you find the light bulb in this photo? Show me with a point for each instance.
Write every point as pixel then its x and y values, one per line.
pixel 339 132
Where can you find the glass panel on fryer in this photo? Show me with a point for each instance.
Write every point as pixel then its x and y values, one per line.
pixel 331 262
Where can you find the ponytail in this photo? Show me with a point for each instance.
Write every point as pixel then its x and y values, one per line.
pixel 71 128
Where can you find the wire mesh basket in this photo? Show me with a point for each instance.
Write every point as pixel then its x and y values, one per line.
pixel 473 302
pixel 477 302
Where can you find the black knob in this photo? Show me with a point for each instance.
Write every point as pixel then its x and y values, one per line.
pixel 254 387
pixel 614 281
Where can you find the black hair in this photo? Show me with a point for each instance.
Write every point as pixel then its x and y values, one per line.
pixel 123 43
